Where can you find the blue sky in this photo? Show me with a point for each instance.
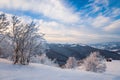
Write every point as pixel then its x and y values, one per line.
pixel 70 21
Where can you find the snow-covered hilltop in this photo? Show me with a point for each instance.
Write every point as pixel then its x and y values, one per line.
pixel 34 71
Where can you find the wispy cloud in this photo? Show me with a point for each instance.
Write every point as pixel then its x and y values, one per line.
pixel 97 5
pixel 98 21
pixel 53 9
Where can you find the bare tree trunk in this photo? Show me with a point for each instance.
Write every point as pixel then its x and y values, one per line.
pixel 16 57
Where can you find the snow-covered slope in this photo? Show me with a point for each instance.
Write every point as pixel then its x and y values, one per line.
pixel 8 71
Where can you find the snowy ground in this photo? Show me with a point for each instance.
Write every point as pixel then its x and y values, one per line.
pixel 8 71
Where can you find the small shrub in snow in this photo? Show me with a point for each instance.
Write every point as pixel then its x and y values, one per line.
pixel 43 59
pixel 94 63
pixel 71 63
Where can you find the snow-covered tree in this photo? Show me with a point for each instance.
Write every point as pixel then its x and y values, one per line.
pixel 23 36
pixel 38 45
pixel 95 63
pixel 5 48
pixel 3 28
pixel 3 25
pixel 71 63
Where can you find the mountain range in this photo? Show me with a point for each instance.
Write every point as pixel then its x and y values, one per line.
pixel 61 52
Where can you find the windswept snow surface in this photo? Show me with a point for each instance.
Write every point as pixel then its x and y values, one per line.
pixel 8 71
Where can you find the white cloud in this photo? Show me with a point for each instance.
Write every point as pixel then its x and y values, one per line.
pixel 100 21
pixel 53 9
pixel 115 12
pixel 113 27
